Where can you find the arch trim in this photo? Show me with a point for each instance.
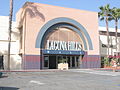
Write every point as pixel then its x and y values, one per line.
pixel 72 22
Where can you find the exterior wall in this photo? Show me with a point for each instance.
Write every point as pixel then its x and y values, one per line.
pixel 103 40
pixel 91 61
pixel 31 62
pixel 34 16
pixel 15 58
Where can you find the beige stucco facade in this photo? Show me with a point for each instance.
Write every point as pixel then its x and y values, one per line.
pixel 32 17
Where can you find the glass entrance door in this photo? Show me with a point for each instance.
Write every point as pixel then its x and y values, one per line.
pixel 52 61
pixel 46 62
pixel 78 61
pixel 68 61
pixel 59 59
pixel 73 61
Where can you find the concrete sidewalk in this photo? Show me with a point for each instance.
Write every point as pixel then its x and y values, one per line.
pixel 33 70
pixel 57 70
pixel 107 69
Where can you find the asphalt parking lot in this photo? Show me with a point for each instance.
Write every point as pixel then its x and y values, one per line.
pixel 81 79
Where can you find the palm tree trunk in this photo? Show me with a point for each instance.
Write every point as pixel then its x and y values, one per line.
pixel 9 37
pixel 116 28
pixel 106 20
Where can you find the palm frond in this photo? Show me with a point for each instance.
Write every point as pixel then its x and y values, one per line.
pixel 110 19
pixel 101 7
pixel 115 13
pixel 101 19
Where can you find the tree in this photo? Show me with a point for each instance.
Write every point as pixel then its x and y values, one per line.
pixel 115 15
pixel 104 15
pixel 9 37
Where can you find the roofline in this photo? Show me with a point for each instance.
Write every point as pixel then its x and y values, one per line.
pixel 104 29
pixel 56 6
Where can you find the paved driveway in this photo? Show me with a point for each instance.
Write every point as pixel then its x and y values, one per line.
pixel 80 79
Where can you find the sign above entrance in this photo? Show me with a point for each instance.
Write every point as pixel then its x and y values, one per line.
pixel 63 52
pixel 62 45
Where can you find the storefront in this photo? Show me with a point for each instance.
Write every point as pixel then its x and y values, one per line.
pixel 56 52
pixel 62 43
pixel 51 35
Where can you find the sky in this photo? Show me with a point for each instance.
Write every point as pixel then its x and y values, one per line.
pixel 89 5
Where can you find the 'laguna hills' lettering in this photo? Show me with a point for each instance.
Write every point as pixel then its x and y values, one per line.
pixel 62 45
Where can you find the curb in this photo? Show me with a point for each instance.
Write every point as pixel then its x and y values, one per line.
pixel 32 70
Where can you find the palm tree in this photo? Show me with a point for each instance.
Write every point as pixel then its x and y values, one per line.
pixel 115 15
pixel 9 37
pixel 104 15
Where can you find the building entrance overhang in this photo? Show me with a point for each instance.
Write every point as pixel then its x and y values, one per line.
pixel 63 52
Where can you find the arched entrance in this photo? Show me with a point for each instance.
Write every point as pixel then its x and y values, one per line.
pixel 62 44
pixel 72 52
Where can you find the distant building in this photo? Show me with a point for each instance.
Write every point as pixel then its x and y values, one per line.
pixel 15 58
pixel 103 41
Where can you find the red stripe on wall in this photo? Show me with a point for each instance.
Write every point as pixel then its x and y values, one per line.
pixel 31 61
pixel 91 61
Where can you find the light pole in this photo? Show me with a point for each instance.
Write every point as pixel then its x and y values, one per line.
pixel 9 32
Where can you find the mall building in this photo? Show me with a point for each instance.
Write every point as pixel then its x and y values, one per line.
pixel 14 54
pixel 44 36
pixel 103 42
pixel 51 34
